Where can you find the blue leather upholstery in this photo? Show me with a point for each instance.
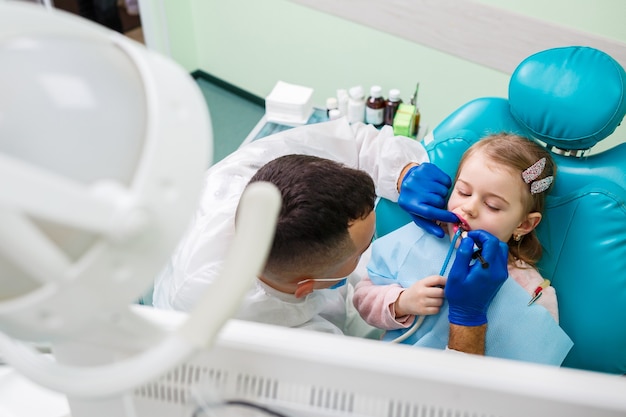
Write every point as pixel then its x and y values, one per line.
pixel 568 98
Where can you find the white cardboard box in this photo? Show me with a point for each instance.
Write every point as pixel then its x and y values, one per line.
pixel 289 104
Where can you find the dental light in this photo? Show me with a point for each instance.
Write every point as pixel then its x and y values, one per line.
pixel 102 150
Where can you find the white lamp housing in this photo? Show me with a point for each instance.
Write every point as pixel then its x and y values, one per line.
pixel 103 147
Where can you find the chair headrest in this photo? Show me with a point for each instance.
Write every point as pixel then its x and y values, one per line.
pixel 570 97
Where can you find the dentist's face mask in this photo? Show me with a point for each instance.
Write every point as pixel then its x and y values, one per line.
pixel 339 282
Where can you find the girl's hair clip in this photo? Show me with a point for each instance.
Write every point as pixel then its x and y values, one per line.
pixel 541 185
pixel 533 172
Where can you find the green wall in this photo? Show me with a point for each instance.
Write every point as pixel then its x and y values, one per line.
pixel 254 43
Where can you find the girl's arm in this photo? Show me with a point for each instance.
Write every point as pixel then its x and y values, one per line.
pixel 392 307
pixel 423 298
pixel 376 305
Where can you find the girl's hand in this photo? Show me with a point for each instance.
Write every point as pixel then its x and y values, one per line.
pixel 425 297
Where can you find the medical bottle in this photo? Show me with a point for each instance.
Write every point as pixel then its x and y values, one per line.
pixel 342 101
pixel 356 105
pixel 375 107
pixel 391 106
pixel 331 104
pixel 334 114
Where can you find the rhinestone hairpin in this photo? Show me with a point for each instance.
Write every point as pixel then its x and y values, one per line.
pixel 531 173
pixel 541 185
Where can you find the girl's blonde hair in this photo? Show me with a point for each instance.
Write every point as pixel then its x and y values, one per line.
pixel 519 153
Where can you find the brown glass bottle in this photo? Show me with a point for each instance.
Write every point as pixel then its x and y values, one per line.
pixel 391 106
pixel 375 107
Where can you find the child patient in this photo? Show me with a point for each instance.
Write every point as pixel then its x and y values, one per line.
pixel 499 190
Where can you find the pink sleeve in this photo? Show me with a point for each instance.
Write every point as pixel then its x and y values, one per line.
pixel 529 278
pixel 375 304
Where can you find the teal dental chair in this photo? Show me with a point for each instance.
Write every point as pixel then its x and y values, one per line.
pixel 568 99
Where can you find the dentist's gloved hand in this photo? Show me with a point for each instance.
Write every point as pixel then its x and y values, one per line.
pixel 423 195
pixel 470 288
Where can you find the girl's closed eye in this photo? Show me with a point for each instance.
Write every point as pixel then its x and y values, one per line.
pixel 495 203
pixel 492 207
pixel 463 192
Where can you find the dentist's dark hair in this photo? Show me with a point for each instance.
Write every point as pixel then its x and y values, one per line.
pixel 320 200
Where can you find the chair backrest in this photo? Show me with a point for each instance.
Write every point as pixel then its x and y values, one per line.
pixel 568 99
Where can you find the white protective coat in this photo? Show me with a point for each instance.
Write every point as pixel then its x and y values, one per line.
pixel 199 256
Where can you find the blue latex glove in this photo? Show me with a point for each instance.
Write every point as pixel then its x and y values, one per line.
pixel 471 286
pixel 423 194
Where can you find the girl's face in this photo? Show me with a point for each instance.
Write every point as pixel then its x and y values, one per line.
pixel 490 197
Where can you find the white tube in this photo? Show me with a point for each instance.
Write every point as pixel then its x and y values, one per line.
pixel 256 223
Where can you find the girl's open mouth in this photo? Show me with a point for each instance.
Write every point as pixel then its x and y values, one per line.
pixel 461 225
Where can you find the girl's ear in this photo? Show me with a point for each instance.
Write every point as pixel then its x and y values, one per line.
pixel 528 224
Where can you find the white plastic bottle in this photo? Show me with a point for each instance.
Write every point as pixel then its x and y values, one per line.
pixel 356 105
pixel 342 101
pixel 331 104
pixel 334 114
